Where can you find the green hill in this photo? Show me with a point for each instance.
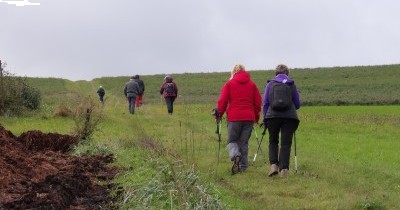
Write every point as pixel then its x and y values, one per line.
pixel 363 85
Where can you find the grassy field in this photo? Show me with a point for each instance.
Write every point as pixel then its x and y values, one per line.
pixel 347 155
pixel 367 85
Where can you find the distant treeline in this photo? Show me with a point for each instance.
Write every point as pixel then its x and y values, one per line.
pixel 360 85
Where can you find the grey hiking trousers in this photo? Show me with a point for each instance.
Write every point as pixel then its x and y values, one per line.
pixel 238 141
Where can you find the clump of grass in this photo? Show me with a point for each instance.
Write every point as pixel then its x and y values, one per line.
pixel 171 187
pixel 63 111
pixel 371 205
pixel 47 111
pixel 164 182
pixel 90 148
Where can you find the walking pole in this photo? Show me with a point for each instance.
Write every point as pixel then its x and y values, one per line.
pixel 295 152
pixel 219 139
pixel 259 145
pixel 217 116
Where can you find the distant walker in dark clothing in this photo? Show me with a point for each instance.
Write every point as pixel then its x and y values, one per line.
pixel 139 97
pixel 131 90
pixel 101 92
pixel 169 91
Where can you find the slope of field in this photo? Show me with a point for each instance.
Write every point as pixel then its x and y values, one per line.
pixel 347 155
pixel 363 85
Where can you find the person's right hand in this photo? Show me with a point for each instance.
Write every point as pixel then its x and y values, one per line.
pixel 216 114
pixel 217 119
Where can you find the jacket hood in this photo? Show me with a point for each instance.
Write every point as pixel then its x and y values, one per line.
pixel 241 77
pixel 168 79
pixel 283 78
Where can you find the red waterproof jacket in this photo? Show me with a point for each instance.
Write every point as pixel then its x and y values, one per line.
pixel 240 99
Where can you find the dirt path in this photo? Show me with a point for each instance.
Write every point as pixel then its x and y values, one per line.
pixel 36 173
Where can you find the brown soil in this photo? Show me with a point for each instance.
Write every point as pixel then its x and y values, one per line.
pixel 36 173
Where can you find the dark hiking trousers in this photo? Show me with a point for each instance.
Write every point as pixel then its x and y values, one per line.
pixel 286 127
pixel 131 104
pixel 170 104
pixel 238 141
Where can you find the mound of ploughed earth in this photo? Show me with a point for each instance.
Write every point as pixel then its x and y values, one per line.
pixel 36 173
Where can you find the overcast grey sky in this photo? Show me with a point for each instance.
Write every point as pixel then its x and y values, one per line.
pixel 86 39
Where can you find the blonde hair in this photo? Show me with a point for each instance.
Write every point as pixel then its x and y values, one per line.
pixel 236 69
pixel 281 69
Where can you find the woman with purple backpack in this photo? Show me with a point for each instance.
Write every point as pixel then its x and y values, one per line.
pixel 281 100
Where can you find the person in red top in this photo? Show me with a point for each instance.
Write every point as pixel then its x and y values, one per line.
pixel 240 99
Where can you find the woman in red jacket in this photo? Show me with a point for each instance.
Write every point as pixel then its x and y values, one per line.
pixel 241 100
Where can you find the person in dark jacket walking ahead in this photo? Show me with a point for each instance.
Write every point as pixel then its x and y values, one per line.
pixel 131 90
pixel 169 90
pixel 139 97
pixel 101 92
pixel 240 99
pixel 281 100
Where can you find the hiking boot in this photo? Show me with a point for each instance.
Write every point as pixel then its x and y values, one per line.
pixel 273 171
pixel 235 166
pixel 284 173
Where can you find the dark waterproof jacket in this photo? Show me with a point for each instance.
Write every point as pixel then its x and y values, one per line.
pixel 290 113
pixel 164 85
pixel 131 88
pixel 141 86
pixel 101 92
